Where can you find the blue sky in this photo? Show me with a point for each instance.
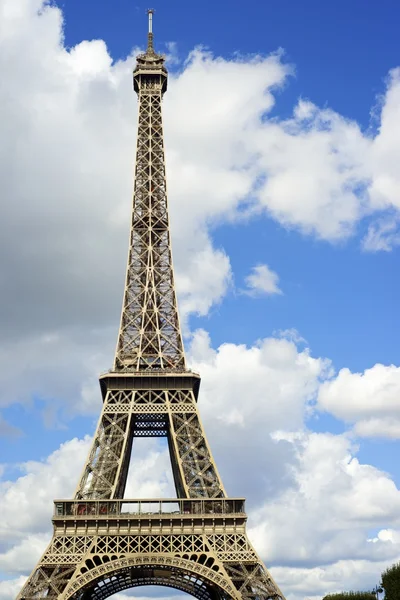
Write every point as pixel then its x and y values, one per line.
pixel 321 328
pixel 342 51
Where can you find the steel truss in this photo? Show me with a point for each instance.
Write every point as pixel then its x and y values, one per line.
pixel 103 543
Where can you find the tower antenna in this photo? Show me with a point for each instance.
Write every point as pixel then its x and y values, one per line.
pixel 150 12
pixel 150 47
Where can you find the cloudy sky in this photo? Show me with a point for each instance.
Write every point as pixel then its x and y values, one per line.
pixel 282 125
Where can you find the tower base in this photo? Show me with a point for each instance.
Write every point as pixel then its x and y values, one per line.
pixel 198 546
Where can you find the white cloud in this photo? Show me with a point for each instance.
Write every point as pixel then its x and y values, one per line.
pixel 323 174
pixel 311 502
pixel 61 368
pixel 318 527
pixel 338 577
pixel 150 473
pixel 204 281
pixel 56 477
pixel 375 427
pixel 9 589
pixel 383 234
pixel 22 557
pixel 262 281
pixel 370 400
pixel 290 334
pixel 385 180
pixel 25 528
pixel 316 172
pixel 387 535
pixel 247 393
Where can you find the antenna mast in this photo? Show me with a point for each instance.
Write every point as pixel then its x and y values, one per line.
pixel 150 12
pixel 150 46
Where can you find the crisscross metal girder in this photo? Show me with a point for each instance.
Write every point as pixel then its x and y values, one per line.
pixel 78 567
pixel 150 413
pixel 150 336
pixel 253 581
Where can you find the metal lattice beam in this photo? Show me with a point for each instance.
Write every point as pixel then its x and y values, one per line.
pixel 150 336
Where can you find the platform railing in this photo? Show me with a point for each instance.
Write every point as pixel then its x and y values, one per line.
pixel 151 371
pixel 126 508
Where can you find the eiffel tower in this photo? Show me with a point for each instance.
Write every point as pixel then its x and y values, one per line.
pixel 104 543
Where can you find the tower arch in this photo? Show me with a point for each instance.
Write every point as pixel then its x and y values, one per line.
pixel 193 576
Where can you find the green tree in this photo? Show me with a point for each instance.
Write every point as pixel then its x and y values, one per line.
pixel 391 582
pixel 351 596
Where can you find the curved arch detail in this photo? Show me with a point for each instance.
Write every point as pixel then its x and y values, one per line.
pixel 167 563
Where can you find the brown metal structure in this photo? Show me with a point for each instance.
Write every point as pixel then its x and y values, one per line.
pixel 103 543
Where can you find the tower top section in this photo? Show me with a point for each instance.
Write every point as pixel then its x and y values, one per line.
pixel 150 338
pixel 150 68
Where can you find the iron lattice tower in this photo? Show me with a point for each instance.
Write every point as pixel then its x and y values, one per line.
pixel 103 543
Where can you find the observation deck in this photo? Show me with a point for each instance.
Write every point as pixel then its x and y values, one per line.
pixel 140 515
pixel 165 508
pixel 165 379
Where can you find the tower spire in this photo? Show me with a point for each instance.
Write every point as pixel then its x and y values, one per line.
pixel 150 46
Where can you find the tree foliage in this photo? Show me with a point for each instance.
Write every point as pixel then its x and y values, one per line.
pixel 351 596
pixel 391 582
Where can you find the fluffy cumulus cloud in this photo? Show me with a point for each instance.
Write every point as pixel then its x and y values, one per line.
pixel 262 281
pixel 53 478
pixel 316 171
pixel 325 174
pixel 10 588
pixel 26 504
pixel 369 400
pixel 356 574
pixel 318 526
pixel 327 477
pixel 61 368
pixel 247 393
pixel 264 367
pixel 383 234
